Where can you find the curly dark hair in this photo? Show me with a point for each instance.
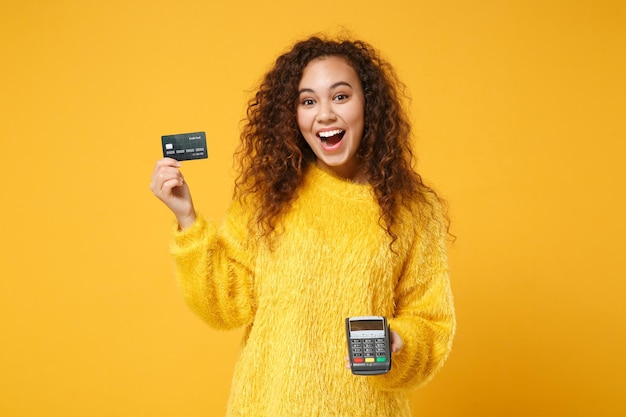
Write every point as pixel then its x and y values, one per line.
pixel 273 154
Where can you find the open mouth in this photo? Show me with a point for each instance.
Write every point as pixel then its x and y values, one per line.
pixel 331 138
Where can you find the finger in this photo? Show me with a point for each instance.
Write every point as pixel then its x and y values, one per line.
pixel 169 162
pixel 164 165
pixel 164 174
pixel 169 185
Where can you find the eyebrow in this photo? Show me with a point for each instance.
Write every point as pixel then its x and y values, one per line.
pixel 335 85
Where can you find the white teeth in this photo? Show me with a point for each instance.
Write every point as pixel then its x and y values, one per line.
pixel 330 133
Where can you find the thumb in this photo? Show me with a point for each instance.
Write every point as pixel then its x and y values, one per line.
pixel 396 342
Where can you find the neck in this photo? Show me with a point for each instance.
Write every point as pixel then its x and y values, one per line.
pixel 350 172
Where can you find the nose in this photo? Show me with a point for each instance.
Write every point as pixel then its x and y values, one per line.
pixel 326 113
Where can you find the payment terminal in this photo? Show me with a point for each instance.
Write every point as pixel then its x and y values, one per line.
pixel 368 345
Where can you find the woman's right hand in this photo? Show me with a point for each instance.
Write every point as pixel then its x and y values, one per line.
pixel 169 186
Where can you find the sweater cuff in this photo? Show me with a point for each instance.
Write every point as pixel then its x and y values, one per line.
pixel 183 239
pixel 403 376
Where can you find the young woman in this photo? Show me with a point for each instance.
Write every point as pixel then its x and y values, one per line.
pixel 329 221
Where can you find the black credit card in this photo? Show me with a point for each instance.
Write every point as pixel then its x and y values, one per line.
pixel 185 146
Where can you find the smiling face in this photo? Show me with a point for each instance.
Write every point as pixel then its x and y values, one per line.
pixel 330 114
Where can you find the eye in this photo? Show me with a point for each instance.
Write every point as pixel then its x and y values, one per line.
pixel 307 102
pixel 341 97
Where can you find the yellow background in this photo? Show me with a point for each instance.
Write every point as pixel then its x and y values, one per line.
pixel 519 112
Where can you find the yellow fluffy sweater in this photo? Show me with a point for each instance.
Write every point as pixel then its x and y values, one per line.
pixel 331 260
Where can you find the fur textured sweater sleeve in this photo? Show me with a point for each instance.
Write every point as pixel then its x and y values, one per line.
pixel 216 271
pixel 330 260
pixel 424 312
